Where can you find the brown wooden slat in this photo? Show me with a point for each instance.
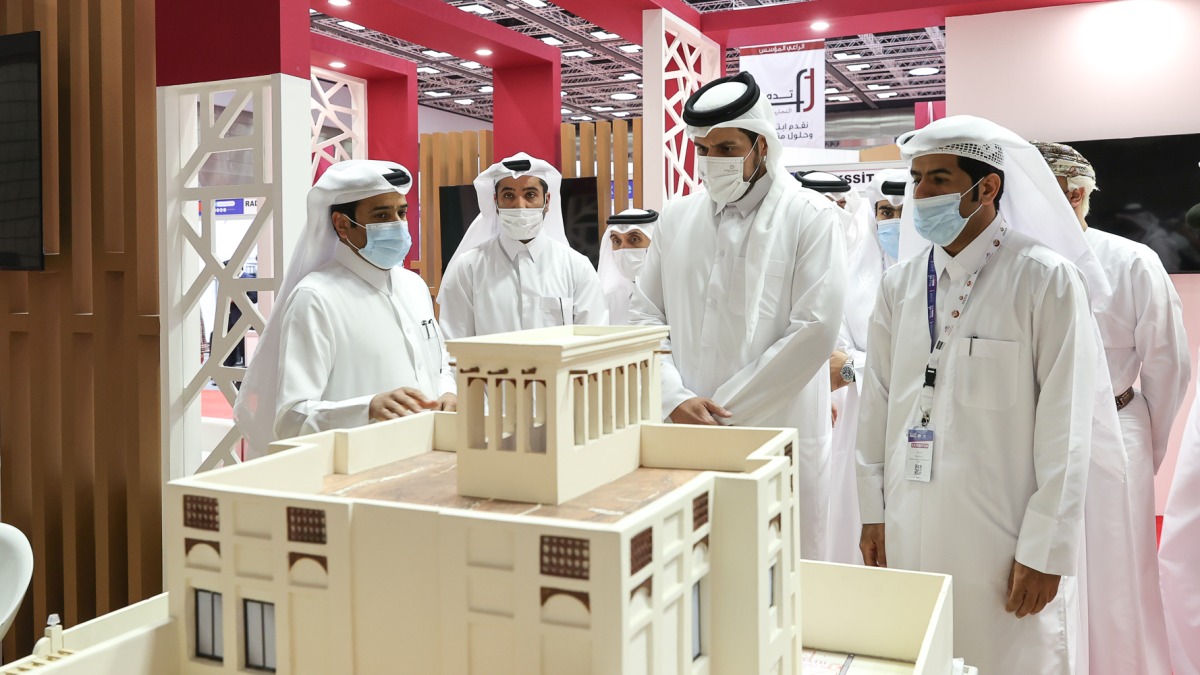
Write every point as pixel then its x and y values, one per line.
pixel 587 149
pixel 638 158
pixel 604 171
pixel 567 144
pixel 485 149
pixel 620 131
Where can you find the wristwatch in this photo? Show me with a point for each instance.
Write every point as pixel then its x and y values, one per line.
pixel 847 371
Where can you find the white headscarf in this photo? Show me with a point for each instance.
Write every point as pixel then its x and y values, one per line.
pixel 486 225
pixel 867 259
pixel 611 279
pixel 342 183
pixel 1032 202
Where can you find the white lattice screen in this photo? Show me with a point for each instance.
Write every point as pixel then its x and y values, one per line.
pixel 231 174
pixel 683 61
pixel 339 118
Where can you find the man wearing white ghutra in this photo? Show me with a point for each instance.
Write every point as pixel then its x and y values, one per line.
pixel 980 388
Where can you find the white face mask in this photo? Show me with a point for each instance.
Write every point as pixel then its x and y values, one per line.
pixel 722 177
pixel 522 224
pixel 628 261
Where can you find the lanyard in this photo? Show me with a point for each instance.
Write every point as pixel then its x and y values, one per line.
pixel 956 310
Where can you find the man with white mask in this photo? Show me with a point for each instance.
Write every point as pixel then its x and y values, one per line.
pixel 514 269
pixel 981 383
pixel 874 254
pixel 750 275
pixel 1141 325
pixel 622 252
pixel 839 191
pixel 353 338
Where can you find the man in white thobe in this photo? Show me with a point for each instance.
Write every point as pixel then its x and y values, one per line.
pixel 353 338
pixel 1180 551
pixel 868 261
pixel 1141 325
pixel 514 269
pixel 974 439
pixel 622 252
pixel 750 276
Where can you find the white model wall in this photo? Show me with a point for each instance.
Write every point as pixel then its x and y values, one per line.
pixel 1087 72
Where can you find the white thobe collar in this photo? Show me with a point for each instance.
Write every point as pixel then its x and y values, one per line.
pixel 513 247
pixel 969 259
pixel 750 200
pixel 371 274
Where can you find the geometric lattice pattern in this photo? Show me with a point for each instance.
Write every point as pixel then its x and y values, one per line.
pixel 681 79
pixel 700 511
pixel 306 525
pixel 641 550
pixel 565 557
pixel 201 513
pixel 339 112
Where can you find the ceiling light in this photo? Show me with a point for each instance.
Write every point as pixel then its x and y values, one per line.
pixel 889 94
pixel 486 90
pixel 623 96
pixel 580 53
pixel 463 101
pixel 566 111
pixel 842 56
pixel 434 54
pixel 351 25
pixel 828 90
pixel 924 70
pixel 428 71
pixel 470 65
pixel 602 108
pixel 820 25
pixel 312 11
pixel 562 93
pixel 630 48
pixel 640 86
pixel 483 52
pixel 838 99
pixel 630 76
pixel 475 9
pixel 536 4
pixel 855 67
pixel 583 118
pixel 603 35
pixel 336 64
pixel 879 87
pixel 437 94
pixel 620 114
pixel 552 41
pixel 340 3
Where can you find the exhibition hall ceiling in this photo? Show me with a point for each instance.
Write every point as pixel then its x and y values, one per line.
pixel 601 72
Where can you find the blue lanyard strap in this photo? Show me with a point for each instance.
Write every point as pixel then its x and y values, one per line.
pixel 931 300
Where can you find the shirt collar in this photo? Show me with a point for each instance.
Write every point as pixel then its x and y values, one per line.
pixel 750 200
pixel 512 247
pixel 369 273
pixel 970 258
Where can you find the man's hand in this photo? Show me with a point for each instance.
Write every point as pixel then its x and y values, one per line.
pixel 833 412
pixel 448 403
pixel 1029 591
pixel 699 410
pixel 836 362
pixel 871 545
pixel 399 403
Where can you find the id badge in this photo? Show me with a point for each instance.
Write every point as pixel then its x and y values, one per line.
pixel 918 464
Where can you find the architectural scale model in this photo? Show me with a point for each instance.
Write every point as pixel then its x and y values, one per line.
pixel 549 527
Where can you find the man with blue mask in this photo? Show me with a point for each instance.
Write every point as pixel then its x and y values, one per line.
pixel 868 261
pixel 353 338
pixel 984 387
pixel 750 275
pixel 513 269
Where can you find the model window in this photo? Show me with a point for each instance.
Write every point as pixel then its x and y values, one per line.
pixel 772 581
pixel 697 614
pixel 260 635
pixel 209 626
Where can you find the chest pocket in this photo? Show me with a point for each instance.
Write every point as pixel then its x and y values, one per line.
pixel 773 295
pixel 557 311
pixel 987 373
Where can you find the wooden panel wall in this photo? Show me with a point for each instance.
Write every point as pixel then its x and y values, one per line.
pixel 600 149
pixel 80 457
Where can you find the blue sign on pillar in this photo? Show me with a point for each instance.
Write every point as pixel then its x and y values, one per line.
pixel 229 207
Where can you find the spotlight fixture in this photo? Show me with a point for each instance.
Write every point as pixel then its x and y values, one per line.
pixel 483 52
pixel 351 25
pixel 336 64
pixel 820 25
pixel 924 71
pixel 623 96
pixel 464 101
pixel 487 89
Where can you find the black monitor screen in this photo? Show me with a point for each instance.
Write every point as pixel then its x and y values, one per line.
pixel 581 216
pixel 20 153
pixel 1148 190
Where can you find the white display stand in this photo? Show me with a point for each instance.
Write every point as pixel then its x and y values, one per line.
pixel 546 527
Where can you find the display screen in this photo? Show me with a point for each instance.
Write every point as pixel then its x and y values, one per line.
pixel 1146 189
pixel 20 153
pixel 580 208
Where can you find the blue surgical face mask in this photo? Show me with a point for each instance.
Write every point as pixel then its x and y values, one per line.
pixel 938 219
pixel 888 232
pixel 387 243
